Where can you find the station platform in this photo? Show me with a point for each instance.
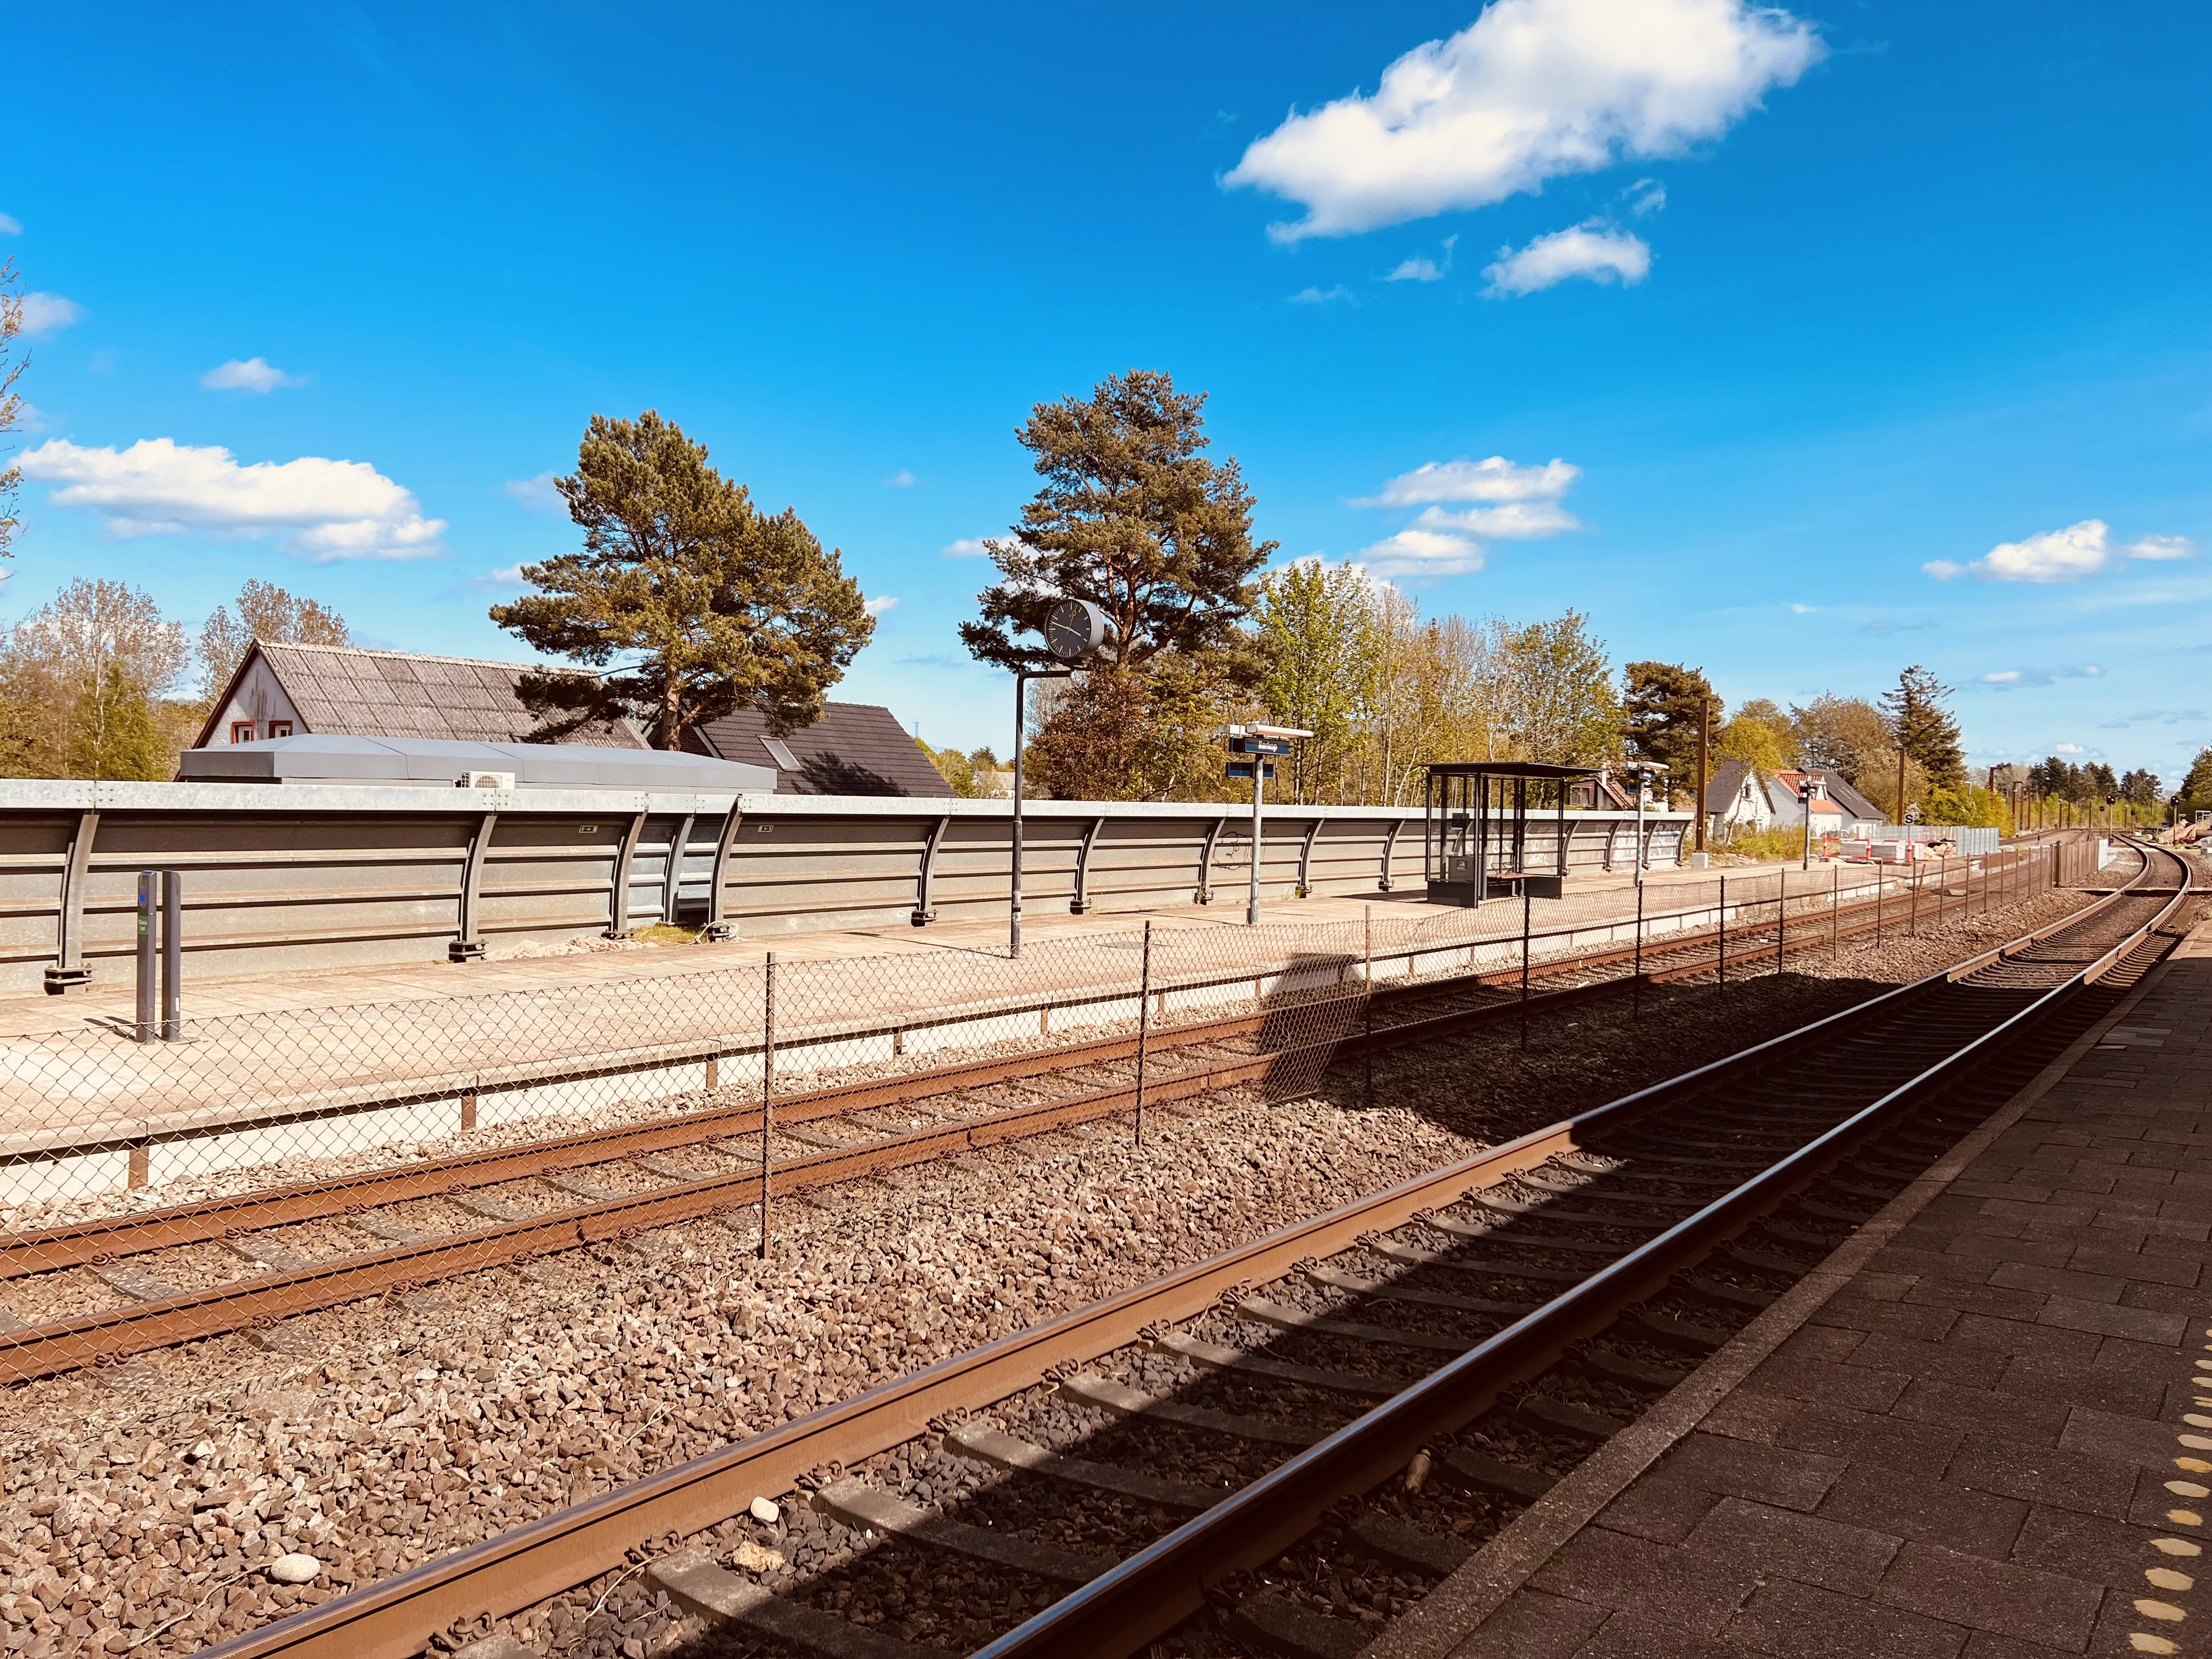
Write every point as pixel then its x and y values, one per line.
pixel 1593 897
pixel 1971 1432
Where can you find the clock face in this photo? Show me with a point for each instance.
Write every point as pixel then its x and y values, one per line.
pixel 1075 629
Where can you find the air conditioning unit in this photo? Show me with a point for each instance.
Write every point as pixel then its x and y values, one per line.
pixel 485 781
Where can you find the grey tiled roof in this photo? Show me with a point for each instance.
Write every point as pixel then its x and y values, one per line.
pixel 855 749
pixel 350 690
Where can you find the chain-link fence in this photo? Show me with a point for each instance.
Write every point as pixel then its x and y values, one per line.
pixel 171 1177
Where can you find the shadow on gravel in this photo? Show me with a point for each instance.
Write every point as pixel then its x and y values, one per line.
pixel 945 1545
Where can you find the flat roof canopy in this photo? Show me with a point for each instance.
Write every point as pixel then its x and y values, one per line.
pixel 337 757
pixel 1544 769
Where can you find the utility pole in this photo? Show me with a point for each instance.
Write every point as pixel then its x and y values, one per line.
pixel 1900 781
pixel 1704 734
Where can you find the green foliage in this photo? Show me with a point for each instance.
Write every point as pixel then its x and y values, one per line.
pixel 1968 805
pixel 1924 729
pixel 1132 517
pixel 1779 840
pixel 1755 741
pixel 1845 735
pixel 710 604
pixel 2195 795
pixel 970 776
pixel 1661 702
pixel 266 611
pixel 1555 692
pixel 80 685
pixel 1121 734
pixel 1325 638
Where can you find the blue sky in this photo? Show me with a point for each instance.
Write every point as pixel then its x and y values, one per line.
pixel 1805 302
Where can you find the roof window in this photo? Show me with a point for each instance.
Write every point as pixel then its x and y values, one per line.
pixel 780 752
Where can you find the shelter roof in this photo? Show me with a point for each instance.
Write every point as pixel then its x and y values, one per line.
pixel 329 757
pixel 1532 769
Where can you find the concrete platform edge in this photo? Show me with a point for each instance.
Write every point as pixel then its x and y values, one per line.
pixel 1456 1608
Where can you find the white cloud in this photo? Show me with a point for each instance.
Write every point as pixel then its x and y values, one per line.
pixel 2007 679
pixel 49 313
pixel 2060 556
pixel 537 494
pixel 325 509
pixel 1645 196
pixel 2069 748
pixel 1496 479
pixel 254 374
pixel 505 579
pixel 1322 297
pixel 880 605
pixel 1516 520
pixel 11 225
pixel 1531 90
pixel 1416 270
pixel 1416 552
pixel 967 547
pixel 901 479
pixel 2161 547
pixel 1595 250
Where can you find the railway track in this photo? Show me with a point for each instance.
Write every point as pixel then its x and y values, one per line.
pixel 101 1291
pixel 1276 1449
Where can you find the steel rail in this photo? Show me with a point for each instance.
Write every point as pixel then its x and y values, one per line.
pixel 393 1619
pixel 1145 1596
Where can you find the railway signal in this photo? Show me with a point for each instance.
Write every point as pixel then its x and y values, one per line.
pixel 1259 742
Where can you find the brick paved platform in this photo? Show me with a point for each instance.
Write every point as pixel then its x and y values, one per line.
pixel 1973 1432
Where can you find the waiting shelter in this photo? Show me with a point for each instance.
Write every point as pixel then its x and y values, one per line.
pixel 1475 829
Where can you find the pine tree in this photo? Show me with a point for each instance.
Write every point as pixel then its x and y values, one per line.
pixel 1662 702
pixel 1924 729
pixel 709 603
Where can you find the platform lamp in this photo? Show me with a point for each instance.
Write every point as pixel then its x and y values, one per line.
pixel 1643 772
pixel 1078 633
pixel 1808 791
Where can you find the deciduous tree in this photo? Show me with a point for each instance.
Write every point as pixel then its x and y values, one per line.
pixel 704 602
pixel 1555 692
pixel 82 686
pixel 266 611
pixel 11 401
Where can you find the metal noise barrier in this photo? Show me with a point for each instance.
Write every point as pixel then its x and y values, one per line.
pixel 323 1151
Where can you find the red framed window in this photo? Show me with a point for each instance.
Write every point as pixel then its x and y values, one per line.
pixel 241 731
pixel 280 728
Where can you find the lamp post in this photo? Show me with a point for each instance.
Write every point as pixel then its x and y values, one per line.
pixel 1077 632
pixel 1808 791
pixel 1643 772
pixel 1259 742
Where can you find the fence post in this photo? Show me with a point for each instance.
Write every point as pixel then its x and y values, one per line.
pixel 1525 905
pixel 1367 990
pixel 172 956
pixel 1835 912
pixel 1636 984
pixel 1144 1021
pixel 768 1089
pixel 1782 917
pixel 1724 915
pixel 145 1030
pixel 1912 904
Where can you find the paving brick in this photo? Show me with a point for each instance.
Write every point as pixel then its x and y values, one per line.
pixel 2024 1336
pixel 2092 1547
pixel 1910 1505
pixel 1992 1596
pixel 1781 1544
pixel 1632 1635
pixel 1947 1362
pixel 2063 1477
pixel 1898 1317
pixel 1819 1345
pixel 1858 1387
pixel 2022 1418
pixel 2134 1264
pixel 1873 1437
pixel 2141 1325
pixel 1533 1626
pixel 2166 1298
pixel 1610 1569
pixel 1995 1299
pixel 1670 1500
pixel 2009 1252
pixel 1804 1622
pixel 2136 1441
pixel 2056 1281
pixel 2105 1387
pixel 1748 1415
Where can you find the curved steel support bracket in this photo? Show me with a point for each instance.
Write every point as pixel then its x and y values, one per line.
pixel 719 925
pixel 1305 858
pixel 1080 904
pixel 924 911
pixel 671 879
pixel 466 945
pixel 1206 860
pixel 69 971
pixel 619 897
pixel 1390 849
